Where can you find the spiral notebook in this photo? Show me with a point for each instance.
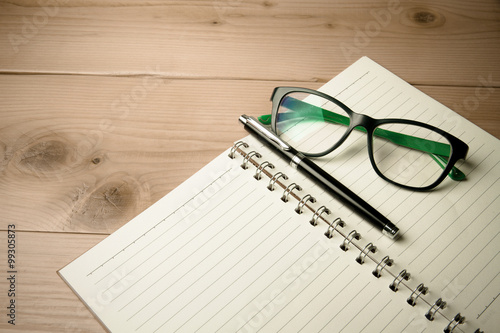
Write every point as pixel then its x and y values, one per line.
pixel 239 247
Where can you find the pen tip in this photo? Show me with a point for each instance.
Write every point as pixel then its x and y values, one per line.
pixel 244 118
pixel 391 231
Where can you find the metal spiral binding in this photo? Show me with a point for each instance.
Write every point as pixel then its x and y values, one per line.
pixel 438 304
pixel 248 157
pixel 289 190
pixel 403 275
pixel 353 235
pixel 362 255
pixel 458 320
pixel 274 178
pixel 331 228
pixel 261 168
pixel 303 201
pixel 420 290
pixel 386 261
pixel 317 215
pixel 235 147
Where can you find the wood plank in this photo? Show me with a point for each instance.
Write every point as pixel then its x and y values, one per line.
pixel 44 303
pixel 106 106
pixel 426 43
pixel 88 153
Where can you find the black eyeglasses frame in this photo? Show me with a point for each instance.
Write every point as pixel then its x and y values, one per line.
pixel 459 149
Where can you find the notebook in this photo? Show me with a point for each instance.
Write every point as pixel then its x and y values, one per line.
pixel 238 248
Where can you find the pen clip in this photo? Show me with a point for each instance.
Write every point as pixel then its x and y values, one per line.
pixel 252 122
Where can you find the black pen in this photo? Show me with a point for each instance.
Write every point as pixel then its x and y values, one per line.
pixel 304 164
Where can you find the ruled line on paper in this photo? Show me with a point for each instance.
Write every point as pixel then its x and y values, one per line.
pixel 436 203
pixel 295 279
pixel 482 290
pixel 364 97
pixel 353 83
pixel 315 296
pixel 207 298
pixel 233 282
pixel 161 221
pixel 479 272
pixel 300 293
pixel 136 253
pixel 368 94
pixel 278 276
pixel 469 262
pixel 455 240
pixel 153 255
pixel 410 322
pixel 254 281
pixel 429 209
pixel 487 306
pixel 417 204
pixel 357 92
pixel 240 276
pixel 361 310
pixel 331 300
pixel 418 255
pixel 269 284
pixel 154 240
pixel 345 306
pixel 441 217
pixel 376 315
pixel 223 274
pixel 393 319
pixel 360 151
pixel 181 262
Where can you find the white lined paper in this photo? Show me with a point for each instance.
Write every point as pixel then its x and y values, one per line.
pixel 222 253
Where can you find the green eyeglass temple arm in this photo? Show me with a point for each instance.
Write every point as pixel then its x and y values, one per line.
pixel 437 150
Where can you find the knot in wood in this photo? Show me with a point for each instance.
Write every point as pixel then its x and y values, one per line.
pixel 424 17
pixel 44 156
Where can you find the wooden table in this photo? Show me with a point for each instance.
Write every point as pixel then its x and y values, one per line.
pixel 106 106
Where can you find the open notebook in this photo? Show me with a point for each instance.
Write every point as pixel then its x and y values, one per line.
pixel 223 253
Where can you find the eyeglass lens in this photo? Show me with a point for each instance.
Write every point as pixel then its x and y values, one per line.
pixel 406 154
pixel 416 166
pixel 310 123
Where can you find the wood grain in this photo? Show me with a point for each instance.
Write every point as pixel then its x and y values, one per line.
pixel 44 302
pixel 424 42
pixel 106 106
pixel 88 164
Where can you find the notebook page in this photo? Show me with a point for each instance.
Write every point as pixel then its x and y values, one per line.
pixel 222 253
pixel 450 236
pixel 359 302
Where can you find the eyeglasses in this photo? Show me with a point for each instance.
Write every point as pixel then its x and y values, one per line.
pixel 407 153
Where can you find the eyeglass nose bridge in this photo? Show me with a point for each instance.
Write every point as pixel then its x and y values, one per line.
pixel 364 122
pixel 361 120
